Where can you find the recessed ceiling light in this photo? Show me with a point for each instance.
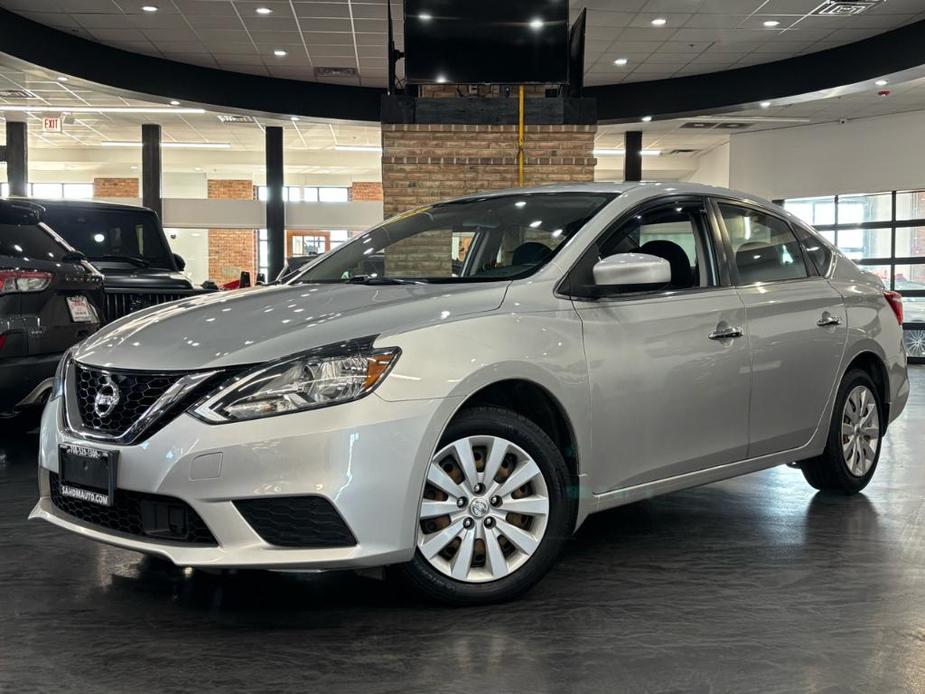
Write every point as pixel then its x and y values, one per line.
pixel 62 79
pixel 280 53
pixel 425 17
pixel 536 24
pixel 174 102
pixel 765 104
pixel 646 119
pixel 881 83
pixel 659 22
pixel 148 8
pixel 294 118
pixel 620 61
pixel 441 79
pixel 771 23
pixel 264 10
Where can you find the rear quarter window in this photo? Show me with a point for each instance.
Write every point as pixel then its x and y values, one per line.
pixel 27 242
pixel 817 250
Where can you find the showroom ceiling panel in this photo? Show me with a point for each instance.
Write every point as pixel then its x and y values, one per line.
pixel 616 29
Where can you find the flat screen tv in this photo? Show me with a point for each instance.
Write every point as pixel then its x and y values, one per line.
pixel 486 41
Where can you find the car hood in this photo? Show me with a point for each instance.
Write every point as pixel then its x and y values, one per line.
pixel 251 326
pixel 121 276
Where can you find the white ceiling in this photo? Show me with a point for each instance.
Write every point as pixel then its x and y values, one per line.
pixel 699 36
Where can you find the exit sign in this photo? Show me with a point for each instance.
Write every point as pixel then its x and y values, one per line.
pixel 52 125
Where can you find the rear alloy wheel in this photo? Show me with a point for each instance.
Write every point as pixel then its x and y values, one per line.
pixel 853 447
pixel 494 510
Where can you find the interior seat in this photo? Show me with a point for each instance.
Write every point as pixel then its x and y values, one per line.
pixel 681 275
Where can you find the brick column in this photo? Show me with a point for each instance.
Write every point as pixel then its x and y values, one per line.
pixel 115 188
pixel 232 251
pixel 366 190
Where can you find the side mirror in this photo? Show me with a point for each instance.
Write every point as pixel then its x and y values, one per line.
pixel 178 259
pixel 631 272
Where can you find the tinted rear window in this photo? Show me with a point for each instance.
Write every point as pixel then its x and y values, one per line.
pixel 99 233
pixel 27 242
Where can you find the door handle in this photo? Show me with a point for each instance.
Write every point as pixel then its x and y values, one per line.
pixel 828 319
pixel 726 333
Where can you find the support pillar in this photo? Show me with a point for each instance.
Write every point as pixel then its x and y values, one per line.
pixel 276 206
pixel 17 157
pixel 151 167
pixel 632 157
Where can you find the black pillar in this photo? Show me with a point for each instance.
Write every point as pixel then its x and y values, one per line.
pixel 17 157
pixel 632 155
pixel 151 167
pixel 276 206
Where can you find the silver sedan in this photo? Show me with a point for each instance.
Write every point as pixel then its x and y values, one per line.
pixel 451 394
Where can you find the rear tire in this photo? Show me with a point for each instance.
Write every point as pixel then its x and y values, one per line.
pixel 852 450
pixel 473 547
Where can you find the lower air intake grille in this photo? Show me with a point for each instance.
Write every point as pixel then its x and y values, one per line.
pixel 134 513
pixel 297 521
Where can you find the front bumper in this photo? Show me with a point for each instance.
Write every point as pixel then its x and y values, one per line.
pixel 368 458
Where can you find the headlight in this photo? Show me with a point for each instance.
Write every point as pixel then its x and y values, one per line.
pixel 305 382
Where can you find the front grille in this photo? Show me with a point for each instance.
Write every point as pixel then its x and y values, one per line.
pixel 137 392
pixel 122 303
pixel 296 521
pixel 135 513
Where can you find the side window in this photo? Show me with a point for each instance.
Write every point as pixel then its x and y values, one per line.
pixel 676 233
pixel 764 247
pixel 819 253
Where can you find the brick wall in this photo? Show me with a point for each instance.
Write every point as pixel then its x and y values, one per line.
pixel 422 163
pixel 366 190
pixel 115 188
pixel 232 251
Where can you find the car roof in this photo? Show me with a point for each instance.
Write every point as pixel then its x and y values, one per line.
pixel 79 204
pixel 666 187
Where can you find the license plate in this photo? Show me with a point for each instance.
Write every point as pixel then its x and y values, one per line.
pixel 81 310
pixel 88 474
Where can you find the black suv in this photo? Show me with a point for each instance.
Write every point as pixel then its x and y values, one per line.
pixel 48 302
pixel 127 244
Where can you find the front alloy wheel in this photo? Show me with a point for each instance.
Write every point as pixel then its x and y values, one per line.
pixel 494 512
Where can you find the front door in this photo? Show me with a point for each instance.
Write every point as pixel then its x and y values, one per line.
pixel 796 329
pixel 669 372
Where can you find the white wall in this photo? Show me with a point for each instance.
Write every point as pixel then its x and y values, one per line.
pixel 866 155
pixel 713 167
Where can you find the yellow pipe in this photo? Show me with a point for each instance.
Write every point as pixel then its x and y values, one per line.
pixel 520 137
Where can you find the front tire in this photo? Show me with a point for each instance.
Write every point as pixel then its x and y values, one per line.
pixel 852 451
pixel 495 511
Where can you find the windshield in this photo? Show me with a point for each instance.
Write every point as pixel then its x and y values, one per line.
pixel 102 234
pixel 476 239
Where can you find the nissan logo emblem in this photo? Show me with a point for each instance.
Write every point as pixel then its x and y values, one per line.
pixel 107 397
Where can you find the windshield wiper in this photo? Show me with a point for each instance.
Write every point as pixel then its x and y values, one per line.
pixel 131 259
pixel 371 280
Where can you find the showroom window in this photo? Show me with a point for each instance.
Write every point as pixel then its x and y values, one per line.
pixel 310 193
pixel 54 191
pixel 885 234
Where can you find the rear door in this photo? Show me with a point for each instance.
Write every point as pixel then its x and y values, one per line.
pixel 796 326
pixel 669 394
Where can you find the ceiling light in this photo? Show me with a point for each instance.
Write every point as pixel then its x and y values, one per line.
pixel 280 53
pixel 98 109
pixel 357 148
pixel 264 10
pixel 881 83
pixel 148 8
pixel 174 102
pixel 607 152
pixel 620 61
pixel 441 79
pixel 171 145
pixel 646 119
pixel 536 223
pixel 425 17
pixel 771 23
pixel 62 79
pixel 659 22
pixel 536 24
pixel 765 104
pixel 294 118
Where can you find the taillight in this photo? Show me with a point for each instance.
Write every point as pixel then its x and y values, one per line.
pixel 895 300
pixel 21 281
